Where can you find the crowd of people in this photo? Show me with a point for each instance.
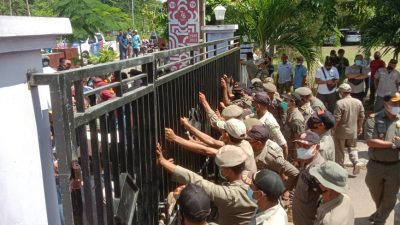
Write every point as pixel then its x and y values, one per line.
pixel 128 44
pixel 281 153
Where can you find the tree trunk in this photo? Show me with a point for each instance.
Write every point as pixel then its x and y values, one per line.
pixel 133 15
pixel 27 7
pixel 10 8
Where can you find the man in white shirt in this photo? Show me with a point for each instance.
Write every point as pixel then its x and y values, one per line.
pixel 326 77
pixel 261 102
pixel 266 188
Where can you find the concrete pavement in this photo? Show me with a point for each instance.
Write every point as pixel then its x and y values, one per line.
pixel 359 193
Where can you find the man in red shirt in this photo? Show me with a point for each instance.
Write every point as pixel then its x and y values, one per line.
pixel 374 65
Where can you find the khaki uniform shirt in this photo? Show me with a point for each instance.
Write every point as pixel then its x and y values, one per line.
pixel 347 111
pixel 244 102
pixel 378 126
pixel 234 207
pixel 250 163
pixel 277 111
pixel 306 195
pixel 317 104
pixel 273 216
pixel 327 146
pixel 339 211
pixel 273 127
pixel 271 157
pixel 251 68
pixel 306 110
pixel 294 126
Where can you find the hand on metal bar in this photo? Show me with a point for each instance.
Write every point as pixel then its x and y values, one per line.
pixel 168 164
pixel 170 134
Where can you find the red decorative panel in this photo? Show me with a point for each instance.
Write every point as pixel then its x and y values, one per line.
pixel 184 27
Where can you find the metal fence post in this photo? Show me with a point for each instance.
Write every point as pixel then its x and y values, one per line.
pixel 64 136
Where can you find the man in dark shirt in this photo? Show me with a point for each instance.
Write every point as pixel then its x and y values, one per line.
pixel 374 65
pixel 343 62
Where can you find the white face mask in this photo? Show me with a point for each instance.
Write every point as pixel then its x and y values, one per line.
pixel 305 153
pixel 395 110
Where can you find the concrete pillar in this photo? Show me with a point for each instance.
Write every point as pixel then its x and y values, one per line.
pixel 217 32
pixel 27 188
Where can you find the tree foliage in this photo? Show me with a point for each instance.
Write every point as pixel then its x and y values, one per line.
pixel 298 24
pixel 383 28
pixel 91 16
pixel 142 13
pixel 14 7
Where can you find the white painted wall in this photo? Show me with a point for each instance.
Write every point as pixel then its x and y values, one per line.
pixel 218 32
pixel 27 186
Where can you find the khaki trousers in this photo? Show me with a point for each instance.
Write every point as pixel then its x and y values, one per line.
pixel 383 182
pixel 348 145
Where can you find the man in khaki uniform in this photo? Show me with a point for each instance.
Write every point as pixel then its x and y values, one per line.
pixel 336 206
pixel 232 111
pixel 275 108
pixel 382 131
pixel 307 192
pixel 295 124
pixel 349 115
pixel 268 155
pixel 308 103
pixel 261 102
pixel 234 206
pixel 322 123
pixel 234 134
pixel 307 96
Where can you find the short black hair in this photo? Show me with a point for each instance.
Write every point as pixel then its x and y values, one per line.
pixel 249 55
pixel 124 75
pixel 234 140
pixel 238 169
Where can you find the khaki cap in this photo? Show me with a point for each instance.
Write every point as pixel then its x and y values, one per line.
pixel 235 128
pixel 230 156
pixel 270 87
pixel 345 87
pixel 256 80
pixel 232 111
pixel 250 122
pixel 303 91
pixel 395 98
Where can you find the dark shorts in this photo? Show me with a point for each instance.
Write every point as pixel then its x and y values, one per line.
pixel 136 51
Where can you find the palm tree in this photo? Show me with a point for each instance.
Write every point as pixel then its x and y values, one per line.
pixel 300 25
pixel 383 29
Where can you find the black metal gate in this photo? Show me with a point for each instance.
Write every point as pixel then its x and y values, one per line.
pixel 110 147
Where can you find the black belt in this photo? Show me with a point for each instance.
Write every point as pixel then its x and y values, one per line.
pixel 385 162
